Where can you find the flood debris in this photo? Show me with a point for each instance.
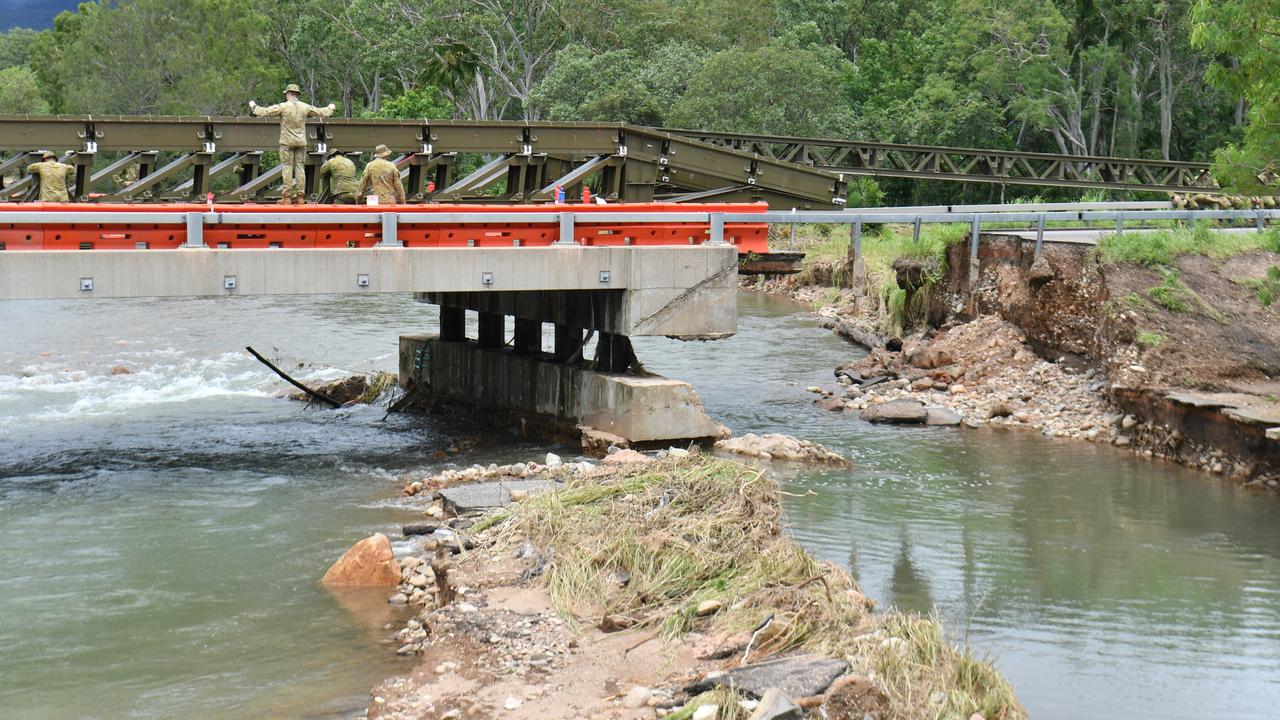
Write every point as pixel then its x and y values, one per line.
pixel 664 589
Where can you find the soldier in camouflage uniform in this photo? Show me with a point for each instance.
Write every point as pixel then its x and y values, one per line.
pixel 382 178
pixel 340 173
pixel 293 114
pixel 54 177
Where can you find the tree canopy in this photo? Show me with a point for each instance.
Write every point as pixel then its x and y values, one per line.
pixel 1176 79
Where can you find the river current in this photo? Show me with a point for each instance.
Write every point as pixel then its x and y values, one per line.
pixel 163 530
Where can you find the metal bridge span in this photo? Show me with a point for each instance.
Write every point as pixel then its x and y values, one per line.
pixel 125 159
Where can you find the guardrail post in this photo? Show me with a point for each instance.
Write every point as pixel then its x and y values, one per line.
pixel 717 229
pixel 566 229
pixel 390 230
pixel 915 233
pixel 975 232
pixel 1119 224
pixel 1259 221
pixel 195 230
pixel 855 238
pixel 1039 234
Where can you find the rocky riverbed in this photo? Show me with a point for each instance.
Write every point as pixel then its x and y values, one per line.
pixel 1067 346
pixel 649 585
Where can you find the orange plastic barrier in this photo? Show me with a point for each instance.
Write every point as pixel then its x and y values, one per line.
pixel 61 235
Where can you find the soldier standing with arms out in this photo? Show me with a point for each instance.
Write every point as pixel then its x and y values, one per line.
pixel 340 173
pixel 293 114
pixel 54 177
pixel 382 178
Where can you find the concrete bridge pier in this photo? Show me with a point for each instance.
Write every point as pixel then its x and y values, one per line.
pixel 507 374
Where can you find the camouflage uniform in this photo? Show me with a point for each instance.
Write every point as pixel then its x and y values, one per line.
pixel 382 178
pixel 293 114
pixel 341 174
pixel 55 177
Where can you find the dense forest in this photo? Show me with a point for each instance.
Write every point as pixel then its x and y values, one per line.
pixel 1174 79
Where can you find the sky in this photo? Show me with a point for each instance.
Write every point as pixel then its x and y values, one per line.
pixel 36 14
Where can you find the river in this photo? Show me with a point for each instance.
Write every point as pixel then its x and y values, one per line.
pixel 163 530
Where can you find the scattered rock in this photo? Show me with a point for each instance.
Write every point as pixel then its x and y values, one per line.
pixel 553 460
pixel 623 457
pixel 121 370
pixel 678 453
pixel 1000 409
pixel 512 702
pixel 637 697
pixel 398 599
pixel 942 416
pixel 369 562
pixel 476 497
pixel 1127 422
pixel 419 528
pixel 856 697
pixel 902 412
pixel 709 607
pixel 781 447
pixel 1273 433
pixel 774 705
pixel 614 623
pixel 706 712
pixel 814 389
pixel 1040 272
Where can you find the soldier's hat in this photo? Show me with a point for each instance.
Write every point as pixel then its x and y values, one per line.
pixel 47 154
pixel 333 151
pixel 293 88
pixel 381 151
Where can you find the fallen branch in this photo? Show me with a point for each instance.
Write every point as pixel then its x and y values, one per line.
pixel 314 394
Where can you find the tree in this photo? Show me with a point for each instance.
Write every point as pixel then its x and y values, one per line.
pixel 20 92
pixel 107 58
pixel 1244 36
pixel 423 102
pixel 786 87
pixel 15 47
pixel 615 85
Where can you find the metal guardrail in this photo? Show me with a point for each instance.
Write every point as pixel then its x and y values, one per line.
pixel 568 220
pixel 856 219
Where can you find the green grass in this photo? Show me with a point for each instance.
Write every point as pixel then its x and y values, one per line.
pixel 1147 338
pixel 1160 247
pixel 1268 288
pixel 1173 295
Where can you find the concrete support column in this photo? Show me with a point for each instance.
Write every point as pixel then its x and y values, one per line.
pixel 528 336
pixel 453 324
pixel 568 341
pixel 492 326
pixel 614 353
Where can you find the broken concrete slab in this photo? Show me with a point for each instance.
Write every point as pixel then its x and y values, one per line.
pixel 1273 433
pixel 478 497
pixel 795 676
pixel 902 412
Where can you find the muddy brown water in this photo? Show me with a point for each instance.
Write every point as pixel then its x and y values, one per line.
pixel 163 530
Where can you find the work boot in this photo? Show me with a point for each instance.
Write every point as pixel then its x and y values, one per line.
pixel 284 200
pixel 297 200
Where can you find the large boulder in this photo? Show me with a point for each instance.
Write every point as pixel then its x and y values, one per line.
pixel 902 412
pixel 369 563
pixel 796 676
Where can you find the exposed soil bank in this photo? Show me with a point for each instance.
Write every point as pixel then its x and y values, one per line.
pixel 1181 363
pixel 639 590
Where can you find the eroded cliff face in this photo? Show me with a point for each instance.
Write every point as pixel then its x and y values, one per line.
pixel 1189 350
